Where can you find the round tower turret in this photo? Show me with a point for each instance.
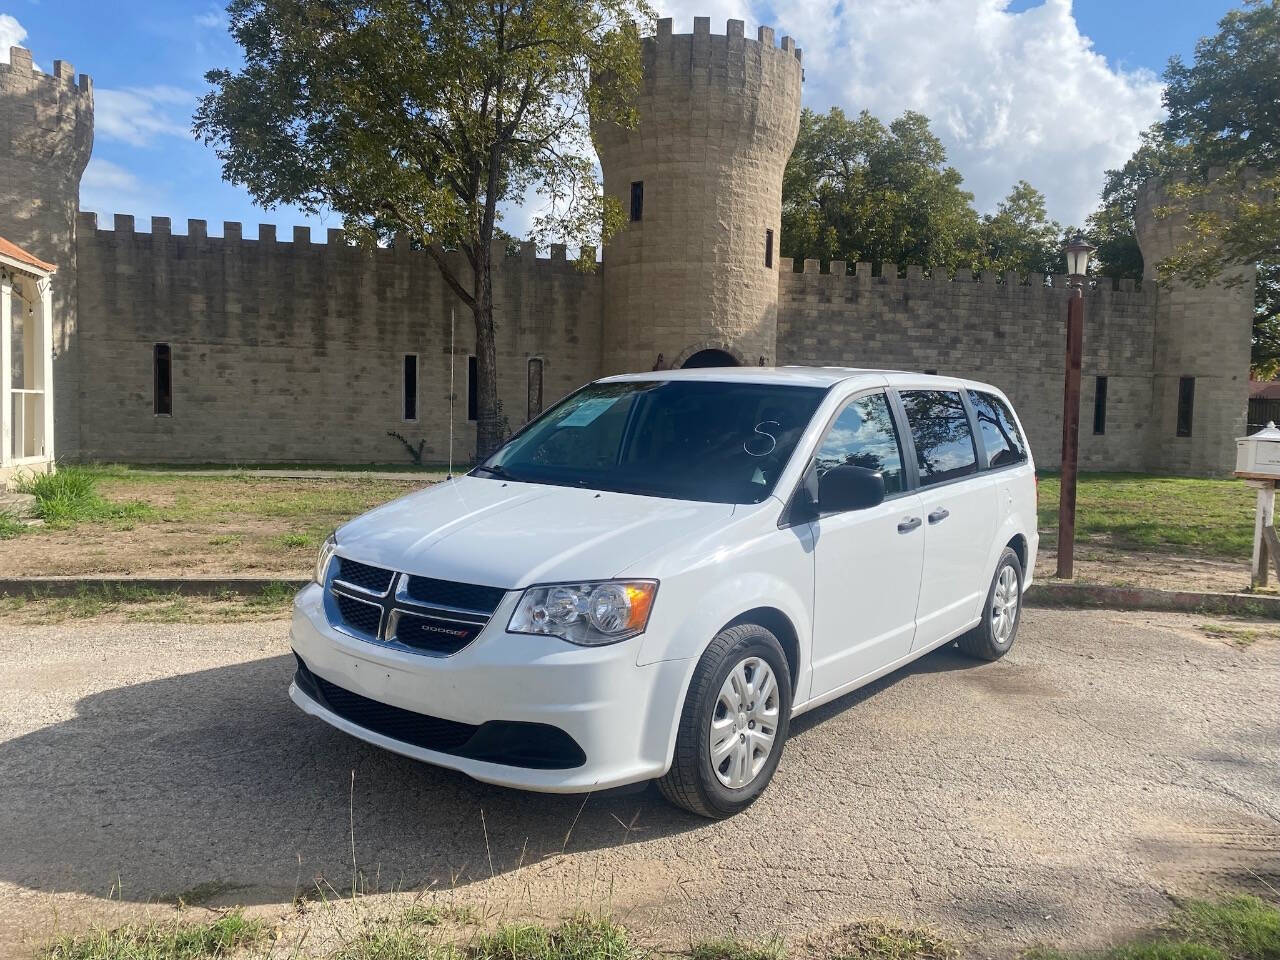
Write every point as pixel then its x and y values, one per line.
pixel 1201 337
pixel 48 135
pixel 696 268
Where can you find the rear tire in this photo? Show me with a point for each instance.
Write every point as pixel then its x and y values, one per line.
pixel 1001 615
pixel 740 695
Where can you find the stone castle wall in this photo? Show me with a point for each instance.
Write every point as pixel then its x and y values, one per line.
pixel 46 135
pixel 1002 330
pixel 294 351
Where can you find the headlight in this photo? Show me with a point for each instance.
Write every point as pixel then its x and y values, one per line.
pixel 590 614
pixel 322 559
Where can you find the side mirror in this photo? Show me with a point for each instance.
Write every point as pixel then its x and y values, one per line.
pixel 847 487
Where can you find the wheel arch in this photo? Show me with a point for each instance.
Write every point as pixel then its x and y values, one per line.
pixel 1018 544
pixel 780 625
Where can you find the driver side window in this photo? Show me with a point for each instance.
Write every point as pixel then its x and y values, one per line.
pixel 863 435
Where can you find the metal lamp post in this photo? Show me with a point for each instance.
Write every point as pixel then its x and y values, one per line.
pixel 1078 250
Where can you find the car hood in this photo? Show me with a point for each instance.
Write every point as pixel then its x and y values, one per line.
pixel 506 534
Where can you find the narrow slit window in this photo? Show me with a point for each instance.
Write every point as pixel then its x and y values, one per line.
pixel 473 389
pixel 162 376
pixel 768 248
pixel 637 200
pixel 410 386
pixel 1099 406
pixel 535 387
pixel 1186 404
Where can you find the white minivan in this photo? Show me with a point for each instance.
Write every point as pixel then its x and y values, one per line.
pixel 653 577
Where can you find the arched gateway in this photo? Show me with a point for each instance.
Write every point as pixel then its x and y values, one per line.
pixel 710 358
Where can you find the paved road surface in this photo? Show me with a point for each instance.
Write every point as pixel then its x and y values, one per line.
pixel 1056 795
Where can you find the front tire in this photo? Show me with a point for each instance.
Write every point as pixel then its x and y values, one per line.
pixel 994 636
pixel 734 722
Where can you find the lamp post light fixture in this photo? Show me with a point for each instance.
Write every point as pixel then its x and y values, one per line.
pixel 1077 251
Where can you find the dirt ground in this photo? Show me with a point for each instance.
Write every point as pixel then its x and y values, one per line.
pixel 199 525
pixel 248 526
pixel 1104 564
pixel 1063 794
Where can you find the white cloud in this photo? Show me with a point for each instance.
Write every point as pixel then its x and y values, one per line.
pixel 212 19
pixel 12 33
pixel 110 188
pixel 137 115
pixel 1012 95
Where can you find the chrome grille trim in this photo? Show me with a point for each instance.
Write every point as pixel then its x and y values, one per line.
pixel 394 602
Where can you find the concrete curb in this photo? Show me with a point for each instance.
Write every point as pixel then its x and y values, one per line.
pixel 1097 596
pixel 1040 594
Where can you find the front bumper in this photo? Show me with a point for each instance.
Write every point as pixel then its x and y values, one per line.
pixel 622 716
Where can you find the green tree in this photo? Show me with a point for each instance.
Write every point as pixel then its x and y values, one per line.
pixel 422 117
pixel 855 190
pixel 1019 236
pixel 1111 227
pixel 1223 125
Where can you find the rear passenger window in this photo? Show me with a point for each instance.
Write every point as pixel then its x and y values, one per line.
pixel 1000 437
pixel 940 429
pixel 863 436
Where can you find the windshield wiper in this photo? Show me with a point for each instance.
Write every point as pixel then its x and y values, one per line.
pixel 498 473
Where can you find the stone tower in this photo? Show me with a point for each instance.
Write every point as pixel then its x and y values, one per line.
pixel 1200 363
pixel 701 177
pixel 46 135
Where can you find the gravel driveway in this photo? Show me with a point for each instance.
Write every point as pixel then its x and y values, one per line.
pixel 1058 795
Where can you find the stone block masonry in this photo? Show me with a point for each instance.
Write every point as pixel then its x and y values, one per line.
pixel 46 135
pixel 1002 330
pixel 295 351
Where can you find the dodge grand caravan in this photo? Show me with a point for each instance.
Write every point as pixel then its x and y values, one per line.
pixel 655 576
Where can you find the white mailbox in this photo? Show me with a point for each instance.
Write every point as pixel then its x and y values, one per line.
pixel 1258 455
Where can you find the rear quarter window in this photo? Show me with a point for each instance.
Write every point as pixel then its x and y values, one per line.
pixel 940 430
pixel 1001 439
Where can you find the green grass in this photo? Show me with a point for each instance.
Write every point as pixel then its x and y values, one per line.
pixel 1240 928
pixel 1204 516
pixel 411 936
pixel 731 948
pixel 170 940
pixel 70 496
pixel 878 940
pixel 10 526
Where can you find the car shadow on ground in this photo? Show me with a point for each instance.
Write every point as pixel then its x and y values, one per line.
pixel 213 787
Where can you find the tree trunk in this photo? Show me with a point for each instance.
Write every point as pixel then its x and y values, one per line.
pixel 490 424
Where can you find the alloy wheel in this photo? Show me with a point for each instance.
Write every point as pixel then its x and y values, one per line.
pixel 1004 605
pixel 744 723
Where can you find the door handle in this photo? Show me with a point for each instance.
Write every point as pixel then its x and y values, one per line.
pixel 908 524
pixel 939 515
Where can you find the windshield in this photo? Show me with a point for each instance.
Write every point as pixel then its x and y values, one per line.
pixel 685 439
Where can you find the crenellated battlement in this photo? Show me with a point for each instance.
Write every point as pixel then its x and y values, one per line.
pixel 21 66
pixel 840 274
pixel 124 230
pixel 732 40
pixel 687 66
pixel 51 115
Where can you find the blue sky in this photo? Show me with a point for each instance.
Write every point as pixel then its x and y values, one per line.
pixel 1051 91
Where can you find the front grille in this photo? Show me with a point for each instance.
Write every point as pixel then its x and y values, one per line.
pixel 373 579
pixel 463 596
pixel 517 743
pixel 359 615
pixel 419 614
pixel 435 634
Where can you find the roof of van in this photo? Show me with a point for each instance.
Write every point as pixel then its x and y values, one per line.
pixel 797 376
